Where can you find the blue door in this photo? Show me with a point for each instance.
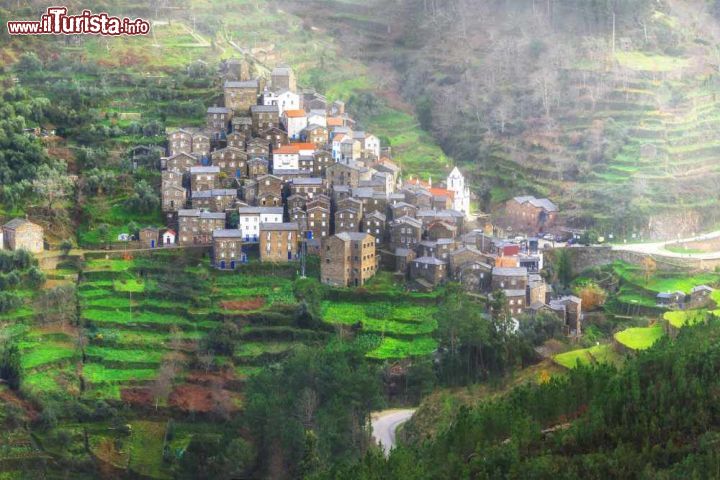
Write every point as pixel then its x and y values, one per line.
pixel 152 243
pixel 222 264
pixel 289 255
pixel 232 264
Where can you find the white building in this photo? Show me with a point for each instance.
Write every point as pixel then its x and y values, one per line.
pixel 371 145
pixel 284 99
pixel 461 198
pixel 317 117
pixel 250 218
pixel 286 157
pixel 294 122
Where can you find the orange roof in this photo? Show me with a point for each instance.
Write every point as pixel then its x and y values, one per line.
pixel 442 192
pixel 339 137
pixel 334 122
pixel 294 113
pixel 287 149
pixel 304 146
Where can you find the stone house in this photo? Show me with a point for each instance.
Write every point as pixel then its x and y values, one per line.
pixel 569 309
pixel 149 237
pixel 352 203
pixel 436 248
pixel 282 77
pixel 180 162
pixel 241 95
pixel 348 259
pixel 700 295
pixel 203 178
pixel 269 185
pixel 347 220
pixel 402 209
pixel 299 215
pixel 179 141
pixel 441 229
pixel 216 200
pixel 418 196
pixel 509 278
pixel 531 215
pixel 172 192
pixel 258 147
pixel 218 119
pixel 319 200
pixel 274 136
pixel 295 201
pixel 196 226
pixel 232 161
pixel 348 175
pixel 227 248
pixel 405 232
pixel 371 201
pixel 236 140
pixel 430 270
pixel 516 301
pixel 316 134
pixel 20 233
pixel 242 124
pixel 257 167
pixel 375 223
pixel 264 117
pixel 201 145
pixel 307 186
pixel 278 242
pixel 321 160
pixel 318 219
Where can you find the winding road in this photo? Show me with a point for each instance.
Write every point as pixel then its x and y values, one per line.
pixel 386 423
pixel 658 248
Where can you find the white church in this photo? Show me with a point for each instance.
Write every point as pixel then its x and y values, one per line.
pixel 461 198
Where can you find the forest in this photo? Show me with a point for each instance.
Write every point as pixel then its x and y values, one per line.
pixel 654 418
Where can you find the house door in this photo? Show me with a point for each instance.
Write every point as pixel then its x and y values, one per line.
pixel 232 264
pixel 152 243
pixel 222 264
pixel 238 173
pixel 289 255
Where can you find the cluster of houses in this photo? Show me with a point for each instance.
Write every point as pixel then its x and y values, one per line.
pixel 278 172
pixel 699 296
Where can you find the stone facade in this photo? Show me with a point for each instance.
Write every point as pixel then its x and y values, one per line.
pixel 348 259
pixel 278 242
pixel 20 233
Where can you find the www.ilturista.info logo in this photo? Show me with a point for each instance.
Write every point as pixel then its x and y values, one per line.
pixel 56 21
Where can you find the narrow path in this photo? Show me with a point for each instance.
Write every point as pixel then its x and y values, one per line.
pixel 386 423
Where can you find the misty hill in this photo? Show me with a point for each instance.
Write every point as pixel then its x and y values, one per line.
pixel 609 107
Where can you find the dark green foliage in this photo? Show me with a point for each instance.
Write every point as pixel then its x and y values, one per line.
pixel 221 340
pixel 474 346
pixel 329 392
pixel 10 370
pixel 144 200
pixel 656 418
pixel 213 456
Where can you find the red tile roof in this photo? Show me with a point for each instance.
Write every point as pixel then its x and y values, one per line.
pixel 294 113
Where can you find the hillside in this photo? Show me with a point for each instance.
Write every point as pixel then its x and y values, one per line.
pixel 655 418
pixel 540 99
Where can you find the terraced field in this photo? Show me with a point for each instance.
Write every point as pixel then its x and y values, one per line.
pixel 402 323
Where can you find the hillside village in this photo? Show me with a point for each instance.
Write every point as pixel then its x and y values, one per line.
pixel 279 173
